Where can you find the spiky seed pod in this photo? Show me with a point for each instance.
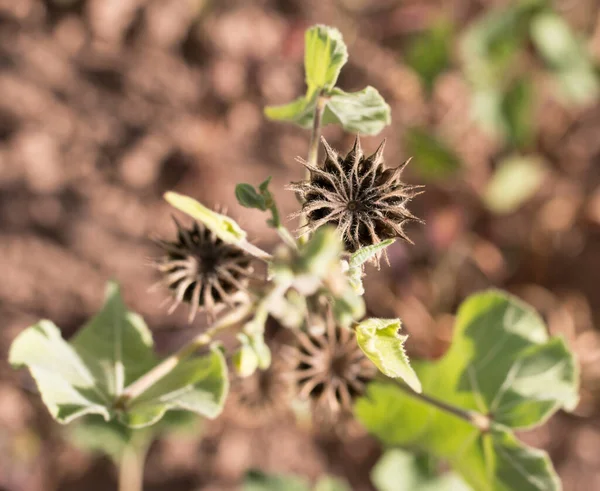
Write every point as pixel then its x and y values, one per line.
pixel 360 196
pixel 265 395
pixel 331 370
pixel 202 270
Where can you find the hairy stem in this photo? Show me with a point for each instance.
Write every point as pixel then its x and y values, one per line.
pixel 313 149
pixel 480 421
pixel 131 468
pixel 168 364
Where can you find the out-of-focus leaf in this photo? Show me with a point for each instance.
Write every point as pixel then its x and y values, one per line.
pixel 328 483
pixel 93 434
pixel 357 260
pixel 384 346
pixel 491 43
pixel 324 56
pixel 501 363
pixel 515 180
pixel 67 386
pixel 197 384
pixel 518 111
pixel 429 54
pixel 400 470
pixel 223 227
pixel 259 481
pixel 364 112
pixel 245 359
pixel 433 159
pixel 567 57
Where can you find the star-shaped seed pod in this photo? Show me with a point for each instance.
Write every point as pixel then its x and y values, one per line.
pixel 264 396
pixel 330 369
pixel 360 196
pixel 202 270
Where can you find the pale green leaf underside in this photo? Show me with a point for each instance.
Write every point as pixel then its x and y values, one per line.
pixel 222 226
pixel 66 385
pixel 380 341
pixel 363 112
pixel 199 385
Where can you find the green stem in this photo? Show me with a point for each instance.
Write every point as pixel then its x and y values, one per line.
pixel 168 364
pixel 131 467
pixel 254 251
pixel 480 421
pixel 313 149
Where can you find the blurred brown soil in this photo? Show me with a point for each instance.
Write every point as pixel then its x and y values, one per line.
pixel 106 104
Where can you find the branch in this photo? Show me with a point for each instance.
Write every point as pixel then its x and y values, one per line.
pixel 168 364
pixel 478 420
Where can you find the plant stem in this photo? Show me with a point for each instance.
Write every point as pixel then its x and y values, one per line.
pixel 254 251
pixel 131 468
pixel 164 368
pixel 480 421
pixel 313 150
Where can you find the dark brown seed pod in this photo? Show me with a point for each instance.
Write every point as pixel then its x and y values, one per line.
pixel 202 270
pixel 360 196
pixel 265 395
pixel 331 370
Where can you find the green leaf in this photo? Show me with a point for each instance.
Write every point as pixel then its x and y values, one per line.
pixel 300 111
pixel 88 376
pixel 197 384
pixel 500 363
pixel 517 112
pixel 259 481
pixel 429 54
pixel 357 260
pixel 520 466
pixel 324 56
pixel 361 256
pixel 380 341
pixel 401 470
pixel 433 159
pixel 364 112
pixel 116 345
pixel 515 181
pixel 223 227
pixel 66 384
pixel 249 198
pixel 566 56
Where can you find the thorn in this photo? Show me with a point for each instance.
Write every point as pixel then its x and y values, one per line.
pixel 378 155
pixel 356 149
pixel 331 153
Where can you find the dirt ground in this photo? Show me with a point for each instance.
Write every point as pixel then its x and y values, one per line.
pixel 106 104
